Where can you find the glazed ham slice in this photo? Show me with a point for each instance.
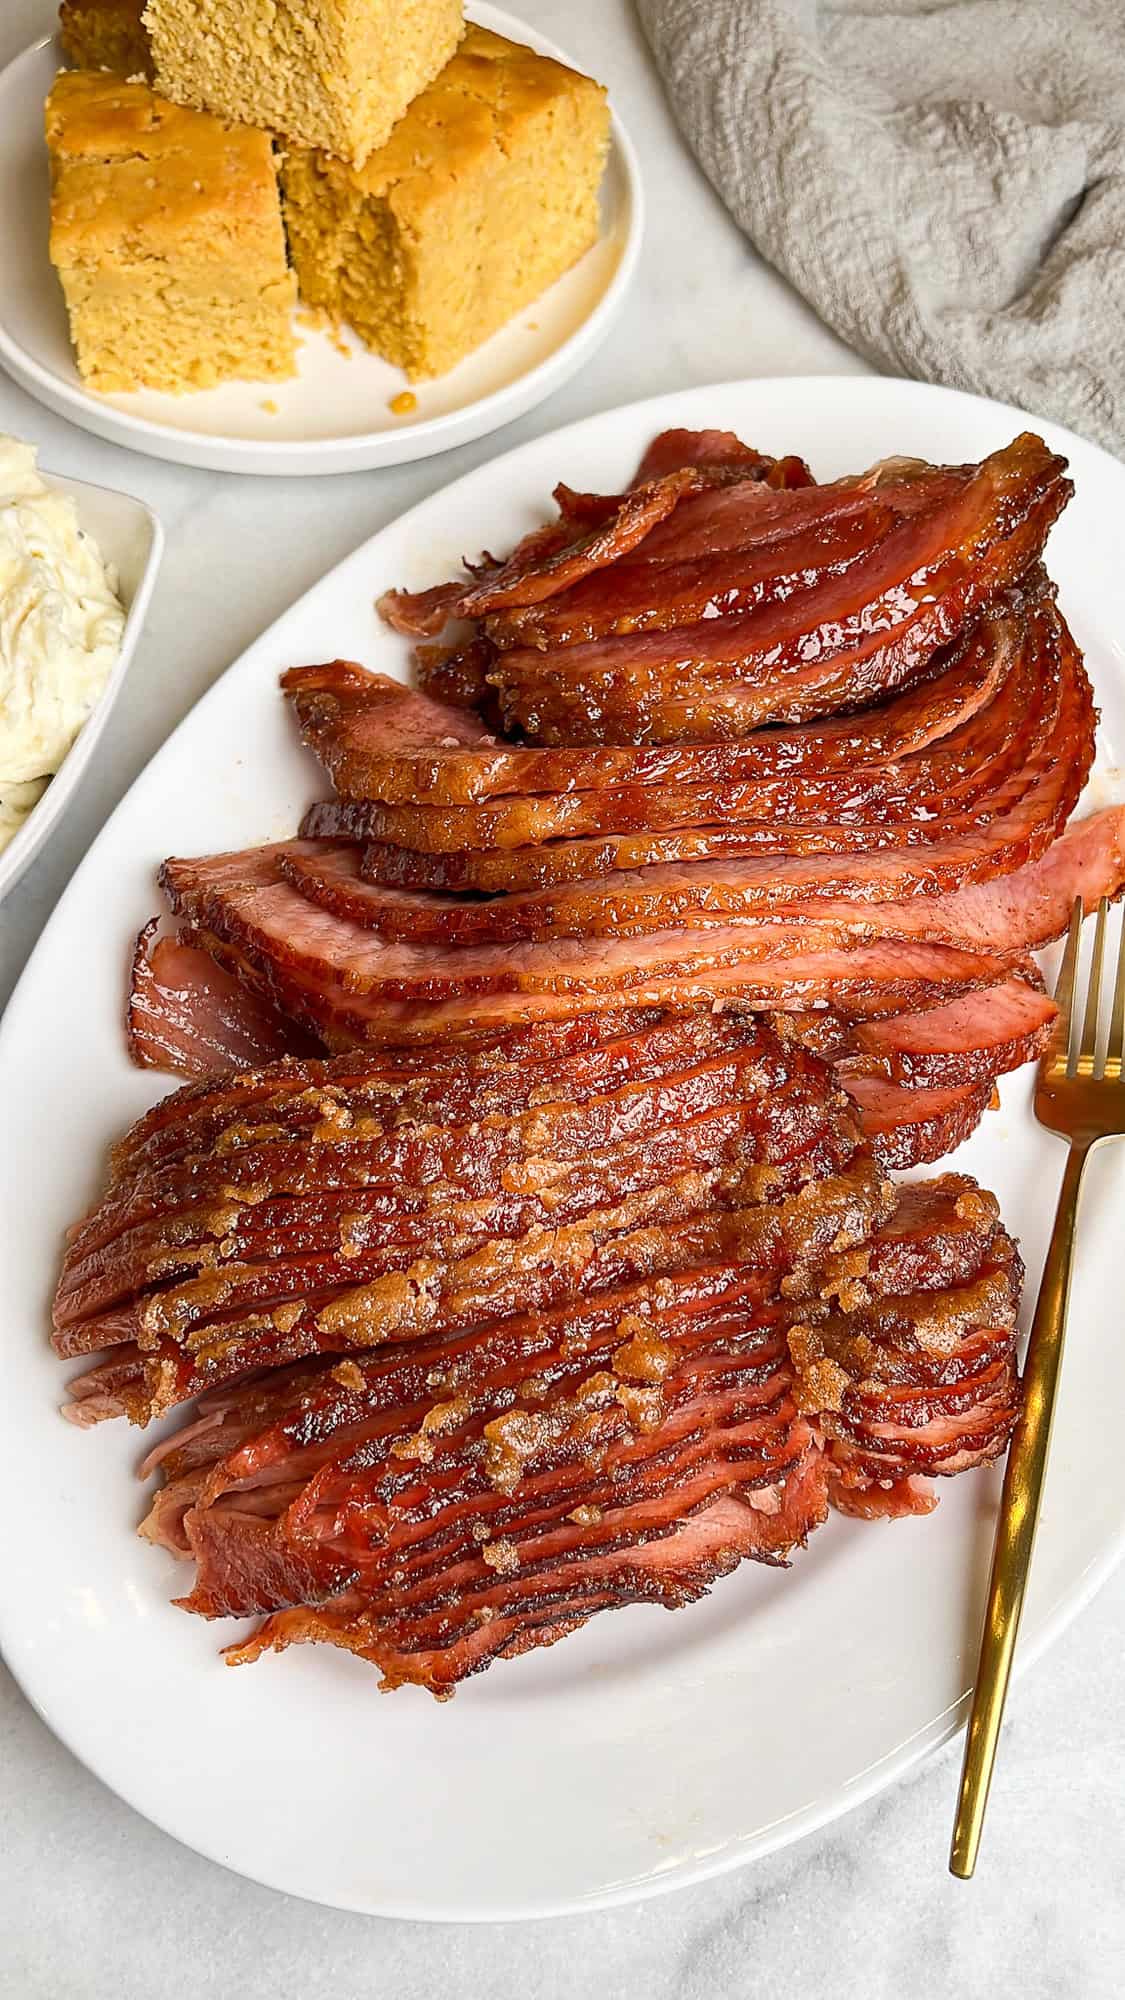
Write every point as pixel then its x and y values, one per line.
pixel 718 451
pixel 344 983
pixel 328 1206
pixel 380 740
pixel 971 1040
pixel 186 1014
pixel 908 1127
pixel 403 1505
pixel 949 776
pixel 943 782
pixel 1014 912
pixel 1014 826
pixel 648 1410
pixel 850 638
pixel 674 1567
pixel 912 1380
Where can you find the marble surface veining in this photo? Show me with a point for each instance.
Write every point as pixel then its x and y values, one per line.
pixel 95 1901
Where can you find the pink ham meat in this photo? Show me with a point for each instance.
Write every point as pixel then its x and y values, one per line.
pixel 188 1015
pixel 971 1040
pixel 667 1565
pixel 589 532
pixel 920 1384
pixel 380 740
pixel 529 576
pixel 332 1206
pixel 909 1127
pixel 717 450
pixel 344 983
pixel 1021 910
pixel 709 457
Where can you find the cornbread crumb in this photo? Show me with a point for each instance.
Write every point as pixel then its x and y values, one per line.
pixel 403 403
pixel 338 74
pixel 166 234
pixel 485 193
pixel 105 34
pixel 269 406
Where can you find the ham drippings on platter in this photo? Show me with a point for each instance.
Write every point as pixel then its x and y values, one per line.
pixel 526 1244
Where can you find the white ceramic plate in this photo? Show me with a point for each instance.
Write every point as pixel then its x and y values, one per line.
pixel 129 536
pixel 646 1751
pixel 335 415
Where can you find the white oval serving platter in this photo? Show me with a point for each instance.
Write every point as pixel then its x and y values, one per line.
pixel 648 1750
pixel 335 415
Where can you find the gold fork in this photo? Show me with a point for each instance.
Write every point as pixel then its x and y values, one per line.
pixel 1080 1095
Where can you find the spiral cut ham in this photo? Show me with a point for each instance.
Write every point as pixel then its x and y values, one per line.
pixel 525 1239
pixel 439 1507
pixel 907 1366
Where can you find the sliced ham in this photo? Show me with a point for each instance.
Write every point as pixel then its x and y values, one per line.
pixel 531 575
pixel 186 1014
pixel 850 637
pixel 673 449
pixel 415 1505
pixel 969 1041
pixel 938 1236
pixel 920 1383
pixel 947 779
pixel 1026 814
pixel 381 740
pixel 672 1571
pixel 344 983
pixel 908 1127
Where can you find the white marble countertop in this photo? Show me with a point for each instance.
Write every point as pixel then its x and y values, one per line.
pixel 95 1901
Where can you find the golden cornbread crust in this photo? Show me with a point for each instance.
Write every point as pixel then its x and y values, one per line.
pixel 166 234
pixel 105 34
pixel 336 74
pixel 484 194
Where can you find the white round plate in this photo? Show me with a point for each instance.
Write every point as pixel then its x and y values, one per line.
pixel 647 1751
pixel 335 415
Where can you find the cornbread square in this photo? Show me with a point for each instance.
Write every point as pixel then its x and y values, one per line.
pixel 105 34
pixel 484 194
pixel 166 234
pixel 331 73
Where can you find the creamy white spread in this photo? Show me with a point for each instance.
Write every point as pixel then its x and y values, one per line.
pixel 60 631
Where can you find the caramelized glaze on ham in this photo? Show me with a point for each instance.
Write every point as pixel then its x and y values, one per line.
pixel 565 1282
pixel 380 740
pixel 628 1449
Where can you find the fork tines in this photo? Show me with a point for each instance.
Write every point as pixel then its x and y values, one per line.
pixel 1064 1055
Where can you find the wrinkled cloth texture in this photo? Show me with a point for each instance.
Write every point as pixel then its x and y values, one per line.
pixel 944 183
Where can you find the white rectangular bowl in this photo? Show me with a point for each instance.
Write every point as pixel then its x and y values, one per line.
pixel 132 539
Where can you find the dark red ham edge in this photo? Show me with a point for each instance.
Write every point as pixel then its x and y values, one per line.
pixel 911 1126
pixel 188 1015
pixel 849 638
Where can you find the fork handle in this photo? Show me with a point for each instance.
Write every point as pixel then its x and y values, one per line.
pixel 1019 1517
